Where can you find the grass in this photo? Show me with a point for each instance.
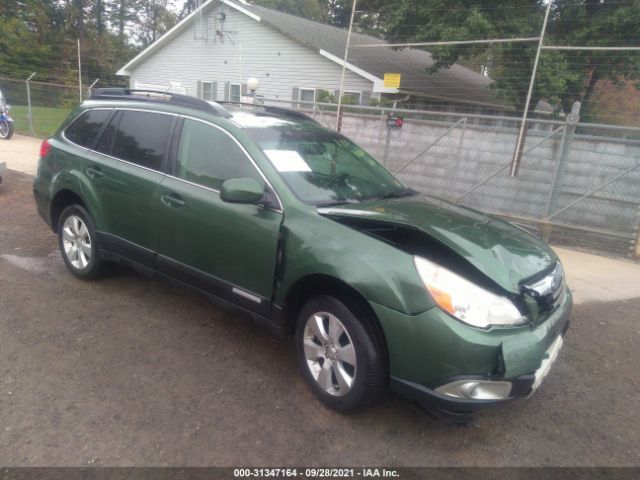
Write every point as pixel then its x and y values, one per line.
pixel 46 120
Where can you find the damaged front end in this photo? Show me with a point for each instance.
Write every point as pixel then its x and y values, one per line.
pixel 501 295
pixel 468 246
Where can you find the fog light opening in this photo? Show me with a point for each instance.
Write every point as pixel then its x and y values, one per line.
pixel 476 389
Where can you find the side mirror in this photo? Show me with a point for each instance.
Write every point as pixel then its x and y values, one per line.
pixel 241 190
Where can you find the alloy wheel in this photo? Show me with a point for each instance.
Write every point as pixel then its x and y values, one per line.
pixel 330 353
pixel 76 242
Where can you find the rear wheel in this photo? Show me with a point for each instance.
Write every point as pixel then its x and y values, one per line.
pixel 77 241
pixel 6 130
pixel 338 355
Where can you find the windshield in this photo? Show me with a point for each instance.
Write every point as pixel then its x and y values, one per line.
pixel 323 167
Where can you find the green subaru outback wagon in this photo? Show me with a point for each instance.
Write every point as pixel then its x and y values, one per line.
pixel 262 209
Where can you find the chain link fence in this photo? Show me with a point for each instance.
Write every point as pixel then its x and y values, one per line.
pixel 578 183
pixel 38 108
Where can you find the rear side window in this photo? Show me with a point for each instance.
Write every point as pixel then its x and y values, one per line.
pixel 140 138
pixel 84 129
pixel 106 140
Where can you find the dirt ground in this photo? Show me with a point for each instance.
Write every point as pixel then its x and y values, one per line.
pixel 132 371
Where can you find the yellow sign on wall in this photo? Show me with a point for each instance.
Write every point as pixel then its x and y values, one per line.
pixel 392 80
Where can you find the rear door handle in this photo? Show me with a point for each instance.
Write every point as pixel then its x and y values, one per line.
pixel 95 172
pixel 172 200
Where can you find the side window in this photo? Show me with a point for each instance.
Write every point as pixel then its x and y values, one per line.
pixel 235 92
pixel 307 95
pixel 84 129
pixel 106 140
pixel 140 138
pixel 207 90
pixel 208 156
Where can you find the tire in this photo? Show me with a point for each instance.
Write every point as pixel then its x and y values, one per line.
pixel 78 243
pixel 6 130
pixel 345 368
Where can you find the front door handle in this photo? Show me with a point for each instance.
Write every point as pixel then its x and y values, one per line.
pixel 172 200
pixel 94 172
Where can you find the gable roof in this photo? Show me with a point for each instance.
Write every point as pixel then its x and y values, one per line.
pixel 454 84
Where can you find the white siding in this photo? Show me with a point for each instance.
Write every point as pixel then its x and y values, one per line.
pixel 256 50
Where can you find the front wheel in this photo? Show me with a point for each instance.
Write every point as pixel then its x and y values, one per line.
pixel 338 355
pixel 77 241
pixel 6 130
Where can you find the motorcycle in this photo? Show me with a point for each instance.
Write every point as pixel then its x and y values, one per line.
pixel 6 122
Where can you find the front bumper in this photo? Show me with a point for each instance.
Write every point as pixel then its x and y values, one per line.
pixel 430 350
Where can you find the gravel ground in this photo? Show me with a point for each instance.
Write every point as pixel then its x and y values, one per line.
pixel 132 371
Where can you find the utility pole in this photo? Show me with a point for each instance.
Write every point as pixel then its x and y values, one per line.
pixel 30 117
pixel 79 73
pixel 344 66
pixel 523 125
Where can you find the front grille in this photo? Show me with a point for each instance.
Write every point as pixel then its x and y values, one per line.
pixel 548 291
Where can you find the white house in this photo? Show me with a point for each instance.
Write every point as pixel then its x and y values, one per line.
pixel 212 52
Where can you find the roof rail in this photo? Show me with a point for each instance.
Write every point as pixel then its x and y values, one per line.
pixel 283 112
pixel 158 96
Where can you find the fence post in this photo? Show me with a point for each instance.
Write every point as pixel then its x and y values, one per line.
pixel 462 135
pixel 517 156
pixel 91 87
pixel 635 249
pixel 387 143
pixel 560 164
pixel 383 123
pixel 29 117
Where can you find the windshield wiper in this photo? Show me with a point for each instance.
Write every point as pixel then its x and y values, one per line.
pixel 400 193
pixel 335 203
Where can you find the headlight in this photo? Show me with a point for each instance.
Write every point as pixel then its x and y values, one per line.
pixel 465 300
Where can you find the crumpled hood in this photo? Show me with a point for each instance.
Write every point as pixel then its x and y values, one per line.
pixel 501 251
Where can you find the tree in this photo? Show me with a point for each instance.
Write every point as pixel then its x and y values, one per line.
pixel 154 17
pixel 311 9
pixel 597 23
pixel 339 12
pixel 30 31
pixel 563 76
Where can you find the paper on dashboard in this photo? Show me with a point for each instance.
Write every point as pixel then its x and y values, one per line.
pixel 287 161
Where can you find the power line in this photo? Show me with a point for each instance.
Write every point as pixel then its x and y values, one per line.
pixel 457 42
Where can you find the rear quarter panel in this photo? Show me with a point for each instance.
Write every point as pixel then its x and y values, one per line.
pixel 62 169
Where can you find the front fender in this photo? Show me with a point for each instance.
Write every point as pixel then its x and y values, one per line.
pixel 382 273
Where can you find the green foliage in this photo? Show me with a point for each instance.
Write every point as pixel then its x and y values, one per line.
pixel 383 102
pixel 310 9
pixel 324 96
pixel 41 36
pixel 348 100
pixel 335 12
pixel 563 76
pixel 46 120
pixel 339 12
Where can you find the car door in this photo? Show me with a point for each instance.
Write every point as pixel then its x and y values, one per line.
pixel 228 249
pixel 125 170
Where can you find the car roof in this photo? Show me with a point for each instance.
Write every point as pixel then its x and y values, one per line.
pixel 243 115
pixel 261 116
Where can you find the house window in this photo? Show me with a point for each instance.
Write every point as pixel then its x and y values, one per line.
pixel 207 90
pixel 307 95
pixel 234 92
pixel 352 97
